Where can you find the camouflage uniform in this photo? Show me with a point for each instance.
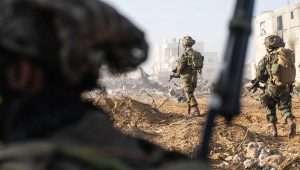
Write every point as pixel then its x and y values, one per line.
pixel 51 52
pixel 274 95
pixel 189 73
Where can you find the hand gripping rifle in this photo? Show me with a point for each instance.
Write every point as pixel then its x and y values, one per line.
pixel 174 74
pixel 225 98
pixel 255 84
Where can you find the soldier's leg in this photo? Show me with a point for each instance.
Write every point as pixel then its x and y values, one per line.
pixel 188 87
pixel 191 101
pixel 285 105
pixel 194 104
pixel 188 97
pixel 270 106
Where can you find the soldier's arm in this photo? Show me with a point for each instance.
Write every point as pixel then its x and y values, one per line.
pixel 261 69
pixel 181 64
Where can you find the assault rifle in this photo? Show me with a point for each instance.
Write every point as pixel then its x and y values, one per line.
pixel 255 84
pixel 174 74
pixel 225 99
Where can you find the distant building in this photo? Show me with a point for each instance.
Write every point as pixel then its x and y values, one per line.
pixel 169 51
pixel 167 54
pixel 284 22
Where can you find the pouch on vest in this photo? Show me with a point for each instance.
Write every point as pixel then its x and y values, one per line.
pixel 198 61
pixel 283 69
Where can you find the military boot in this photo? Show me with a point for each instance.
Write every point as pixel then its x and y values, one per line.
pixel 291 127
pixel 273 129
pixel 195 111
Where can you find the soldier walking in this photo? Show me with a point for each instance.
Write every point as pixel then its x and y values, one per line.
pixel 188 66
pixel 277 70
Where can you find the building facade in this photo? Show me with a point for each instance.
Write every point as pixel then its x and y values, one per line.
pixel 284 22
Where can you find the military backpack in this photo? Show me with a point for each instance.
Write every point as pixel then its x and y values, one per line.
pixel 283 71
pixel 194 59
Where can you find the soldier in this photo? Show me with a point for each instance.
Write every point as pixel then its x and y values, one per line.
pixel 188 66
pixel 277 71
pixel 50 53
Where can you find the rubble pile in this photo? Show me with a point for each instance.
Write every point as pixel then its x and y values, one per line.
pixel 144 84
pixel 243 152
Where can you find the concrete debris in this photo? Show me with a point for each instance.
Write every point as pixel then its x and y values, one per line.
pixel 155 115
pixel 127 86
pixel 229 158
pixel 258 154
pixel 215 156
pixel 237 159
pixel 223 165
pixel 252 150
pixel 272 161
pixel 263 154
pixel 261 146
pixel 250 163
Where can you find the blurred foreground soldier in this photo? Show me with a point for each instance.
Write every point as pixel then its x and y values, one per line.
pixel 277 70
pixel 51 51
pixel 188 66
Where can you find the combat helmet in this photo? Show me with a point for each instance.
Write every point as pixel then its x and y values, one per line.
pixel 71 37
pixel 273 42
pixel 188 41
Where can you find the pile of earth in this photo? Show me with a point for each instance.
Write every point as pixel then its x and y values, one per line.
pixel 243 144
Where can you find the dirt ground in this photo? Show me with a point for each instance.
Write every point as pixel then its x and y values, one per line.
pixel 164 122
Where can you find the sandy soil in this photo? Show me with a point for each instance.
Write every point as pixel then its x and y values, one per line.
pixel 164 122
